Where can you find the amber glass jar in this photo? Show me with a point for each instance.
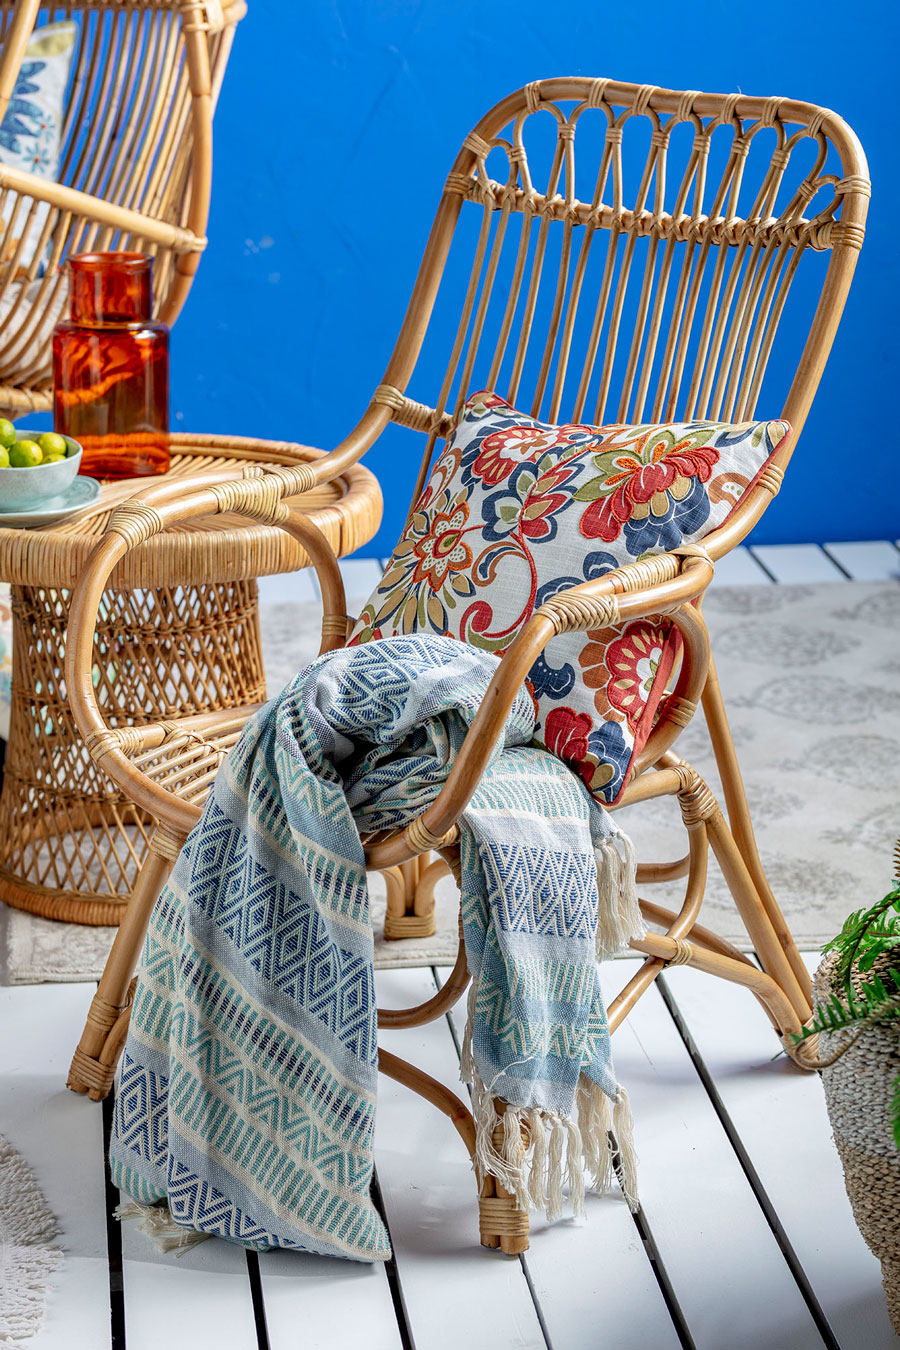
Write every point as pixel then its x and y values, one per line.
pixel 111 368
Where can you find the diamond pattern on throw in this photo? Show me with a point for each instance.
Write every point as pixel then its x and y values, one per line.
pixel 247 1089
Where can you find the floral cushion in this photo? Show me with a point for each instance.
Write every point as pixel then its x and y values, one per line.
pixel 32 124
pixel 517 510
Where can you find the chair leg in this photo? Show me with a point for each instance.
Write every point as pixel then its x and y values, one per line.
pixel 741 825
pixel 771 944
pixel 94 1063
pixel 410 898
pixel 502 1224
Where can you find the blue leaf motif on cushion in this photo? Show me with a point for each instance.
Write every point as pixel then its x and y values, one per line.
pixel 549 681
pixel 760 436
pixel 555 586
pixel 13 125
pixel 666 531
pixel 552 681
pixel 503 509
pixel 607 742
pixel 598 564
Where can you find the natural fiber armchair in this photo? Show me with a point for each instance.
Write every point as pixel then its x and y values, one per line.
pixel 700 286
pixel 135 167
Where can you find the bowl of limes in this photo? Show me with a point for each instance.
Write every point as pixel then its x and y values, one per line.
pixel 34 466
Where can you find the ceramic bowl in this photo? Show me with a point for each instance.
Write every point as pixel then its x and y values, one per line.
pixel 20 489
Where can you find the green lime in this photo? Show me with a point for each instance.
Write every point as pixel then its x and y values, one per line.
pixel 52 459
pixel 53 445
pixel 25 455
pixel 4 457
pixel 7 433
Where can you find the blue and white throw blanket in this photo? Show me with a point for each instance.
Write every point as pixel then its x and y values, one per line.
pixel 246 1093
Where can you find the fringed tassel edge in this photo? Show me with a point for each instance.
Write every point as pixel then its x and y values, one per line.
pixel 156 1223
pixel 619 916
pixel 534 1154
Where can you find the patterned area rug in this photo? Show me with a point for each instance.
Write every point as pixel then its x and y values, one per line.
pixel 28 1253
pixel 811 676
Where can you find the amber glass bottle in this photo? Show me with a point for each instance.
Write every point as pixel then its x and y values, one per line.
pixel 111 368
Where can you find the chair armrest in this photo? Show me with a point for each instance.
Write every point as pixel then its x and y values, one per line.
pixel 178 238
pixel 666 584
pixel 322 467
pixel 258 494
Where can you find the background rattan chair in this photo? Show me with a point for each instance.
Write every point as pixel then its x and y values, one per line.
pixel 135 163
pixel 669 288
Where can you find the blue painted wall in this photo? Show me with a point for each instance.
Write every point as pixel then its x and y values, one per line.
pixel 300 297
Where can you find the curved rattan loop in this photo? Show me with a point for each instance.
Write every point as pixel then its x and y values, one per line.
pixel 678 707
pixel 260 497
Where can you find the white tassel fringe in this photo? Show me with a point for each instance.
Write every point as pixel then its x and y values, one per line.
pixel 156 1223
pixel 619 913
pixel 541 1152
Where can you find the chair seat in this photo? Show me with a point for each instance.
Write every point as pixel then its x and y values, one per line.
pixel 189 757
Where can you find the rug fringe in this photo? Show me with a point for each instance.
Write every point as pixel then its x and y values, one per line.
pixel 30 1256
pixel 536 1154
pixel 619 916
pixel 156 1223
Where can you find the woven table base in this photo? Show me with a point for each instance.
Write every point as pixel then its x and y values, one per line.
pixel 71 845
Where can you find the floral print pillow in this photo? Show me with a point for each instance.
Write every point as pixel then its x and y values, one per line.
pixel 517 510
pixel 31 128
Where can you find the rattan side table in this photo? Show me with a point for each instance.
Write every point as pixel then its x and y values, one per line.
pixel 180 634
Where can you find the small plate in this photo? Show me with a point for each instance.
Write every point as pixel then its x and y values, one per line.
pixel 83 492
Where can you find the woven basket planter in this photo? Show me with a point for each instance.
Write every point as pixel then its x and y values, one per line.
pixel 858 1091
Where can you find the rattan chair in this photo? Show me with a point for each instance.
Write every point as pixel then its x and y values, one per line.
pixel 135 164
pixel 682 290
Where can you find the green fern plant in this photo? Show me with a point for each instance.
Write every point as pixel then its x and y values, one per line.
pixel 866 937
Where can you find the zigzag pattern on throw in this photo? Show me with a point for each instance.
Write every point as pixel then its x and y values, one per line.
pixel 246 1094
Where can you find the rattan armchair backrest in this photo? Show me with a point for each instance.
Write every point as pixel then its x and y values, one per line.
pixel 135 165
pixel 633 256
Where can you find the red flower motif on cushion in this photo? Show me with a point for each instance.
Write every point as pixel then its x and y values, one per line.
pixel 622 667
pixel 633 661
pixel 443 549
pixel 638 479
pixel 566 735
pixel 502 450
pixel 542 501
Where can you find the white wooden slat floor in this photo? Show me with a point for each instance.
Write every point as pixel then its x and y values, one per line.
pixel 797 563
pixel 875 561
pixel 745 1236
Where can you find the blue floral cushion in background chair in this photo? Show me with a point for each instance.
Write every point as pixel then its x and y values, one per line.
pixel 30 139
pixel 517 510
pixel 31 130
